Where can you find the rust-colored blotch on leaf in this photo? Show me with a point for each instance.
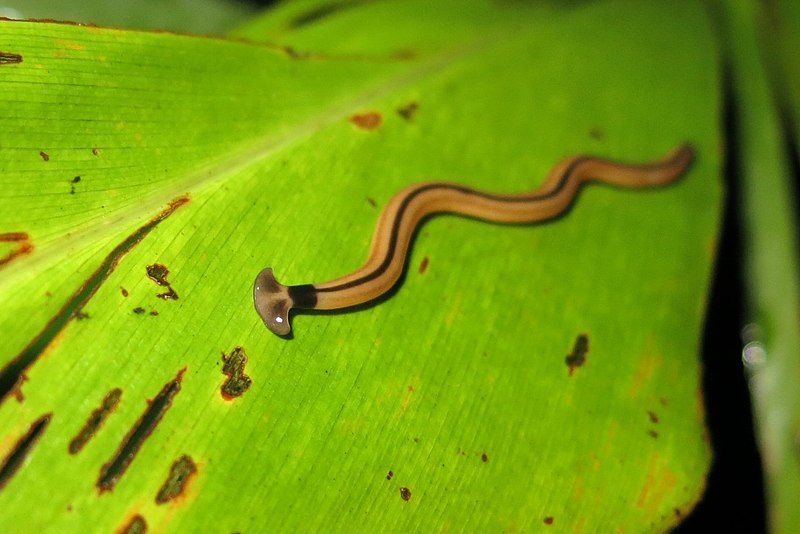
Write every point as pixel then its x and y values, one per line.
pixel 369 120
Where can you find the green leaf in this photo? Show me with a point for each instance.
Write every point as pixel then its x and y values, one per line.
pixel 448 404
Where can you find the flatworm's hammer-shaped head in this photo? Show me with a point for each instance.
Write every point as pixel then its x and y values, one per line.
pixel 273 302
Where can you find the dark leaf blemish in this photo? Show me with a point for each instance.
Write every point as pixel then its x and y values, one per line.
pixel 11 373
pixel 113 470
pixel 597 134
pixel 578 355
pixel 169 294
pixel 179 474
pixel 72 186
pixel 138 310
pixel 485 458
pixel 15 458
pixel 10 58
pixel 137 525
pixel 95 152
pixel 389 475
pixel 548 520
pixel 44 155
pixel 405 493
pixel 423 266
pixel 158 273
pixel 653 434
pixel 153 313
pixel 408 111
pixel 368 120
pixel 372 202
pixel 653 417
pixel 24 247
pixel 95 421
pixel 124 292
pixel 80 315
pixel 237 382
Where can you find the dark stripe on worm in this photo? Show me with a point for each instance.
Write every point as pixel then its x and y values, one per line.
pixel 387 260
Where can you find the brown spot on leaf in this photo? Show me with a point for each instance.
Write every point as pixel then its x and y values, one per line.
pixel 179 474
pixel 44 155
pixel 238 382
pixel 95 421
pixel 123 291
pixel 11 373
pixel 578 355
pixel 597 134
pixel 408 111
pixel 10 58
pixel 113 470
pixel 485 458
pixel 153 313
pixel 138 310
pixel 368 120
pixel 653 417
pixel 95 152
pixel 137 525
pixel 653 434
pixel 158 273
pixel 389 475
pixel 405 493
pixel 548 520
pixel 423 265
pixel 169 294
pixel 19 452
pixel 372 202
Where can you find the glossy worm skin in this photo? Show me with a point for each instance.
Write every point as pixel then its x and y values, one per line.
pixel 406 209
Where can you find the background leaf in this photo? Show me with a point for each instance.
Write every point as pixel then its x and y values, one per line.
pixel 763 152
pixel 449 405
pixel 199 16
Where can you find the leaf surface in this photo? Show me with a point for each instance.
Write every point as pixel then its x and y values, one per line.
pixel 448 405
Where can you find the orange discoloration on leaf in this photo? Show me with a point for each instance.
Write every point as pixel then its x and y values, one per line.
pixel 658 484
pixel 649 363
pixel 23 247
pixel 369 120
pixel 405 402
